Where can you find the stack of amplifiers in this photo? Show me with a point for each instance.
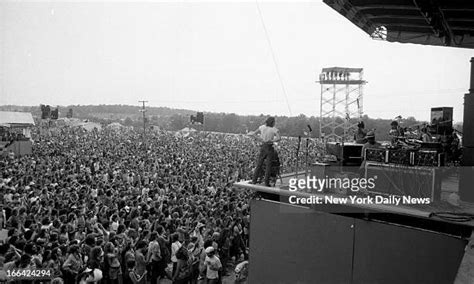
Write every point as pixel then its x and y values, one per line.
pixel 442 120
pixel 427 158
pixel 413 181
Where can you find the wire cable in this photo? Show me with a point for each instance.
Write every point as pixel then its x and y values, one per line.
pixel 273 57
pixel 453 216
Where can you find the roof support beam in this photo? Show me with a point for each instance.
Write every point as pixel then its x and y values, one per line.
pixel 435 18
pixel 386 7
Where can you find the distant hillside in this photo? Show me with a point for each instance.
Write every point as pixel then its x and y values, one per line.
pixel 175 119
pixel 103 111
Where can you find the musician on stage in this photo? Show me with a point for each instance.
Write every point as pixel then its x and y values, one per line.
pixel 425 137
pixel 371 144
pixel 268 134
pixel 360 136
pixel 395 132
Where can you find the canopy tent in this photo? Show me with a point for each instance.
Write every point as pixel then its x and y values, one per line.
pixel 155 128
pixel 441 22
pixel 185 132
pixel 16 119
pixel 115 126
pixel 188 129
pixel 89 126
pixel 75 122
pixel 72 122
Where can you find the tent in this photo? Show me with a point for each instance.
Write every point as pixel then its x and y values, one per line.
pixel 16 119
pixel 71 122
pixel 89 126
pixel 115 126
pixel 155 128
pixel 188 129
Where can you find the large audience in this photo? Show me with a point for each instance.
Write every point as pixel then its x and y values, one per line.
pixel 123 208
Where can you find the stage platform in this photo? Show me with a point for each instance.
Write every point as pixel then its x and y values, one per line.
pixel 449 185
pixel 358 243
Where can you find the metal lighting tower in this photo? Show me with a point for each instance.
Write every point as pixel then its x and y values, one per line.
pixel 341 102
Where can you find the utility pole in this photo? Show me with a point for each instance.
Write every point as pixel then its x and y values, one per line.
pixel 143 110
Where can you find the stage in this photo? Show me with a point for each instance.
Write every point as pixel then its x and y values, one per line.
pixel 352 242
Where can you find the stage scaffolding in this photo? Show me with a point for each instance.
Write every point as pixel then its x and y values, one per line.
pixel 341 105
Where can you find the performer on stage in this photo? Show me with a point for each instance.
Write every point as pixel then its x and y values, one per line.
pixel 268 135
pixel 395 132
pixel 425 137
pixel 360 136
pixel 371 144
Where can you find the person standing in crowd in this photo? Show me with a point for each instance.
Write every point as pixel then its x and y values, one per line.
pixel 73 264
pixel 194 253
pixel 55 200
pixel 138 274
pixel 154 258
pixel 269 134
pixel 129 264
pixel 198 233
pixel 213 266
pixel 183 271
pixel 175 246
pixel 164 250
pixel 112 265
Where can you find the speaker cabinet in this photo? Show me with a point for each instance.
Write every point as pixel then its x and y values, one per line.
pixel 442 120
pixel 405 180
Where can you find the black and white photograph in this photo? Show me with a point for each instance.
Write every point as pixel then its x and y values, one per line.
pixel 236 141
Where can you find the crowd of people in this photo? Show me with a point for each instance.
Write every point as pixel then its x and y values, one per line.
pixel 124 208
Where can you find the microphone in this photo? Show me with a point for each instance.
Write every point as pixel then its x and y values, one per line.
pixel 309 127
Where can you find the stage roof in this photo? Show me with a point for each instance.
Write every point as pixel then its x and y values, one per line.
pixel 429 22
pixel 16 119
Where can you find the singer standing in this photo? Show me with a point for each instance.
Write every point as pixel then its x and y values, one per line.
pixel 269 134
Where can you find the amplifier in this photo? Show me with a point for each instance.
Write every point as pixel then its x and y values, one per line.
pixel 432 146
pixel 426 158
pixel 405 180
pixel 349 154
pixel 376 155
pixel 401 157
pixel 321 171
pixel 429 159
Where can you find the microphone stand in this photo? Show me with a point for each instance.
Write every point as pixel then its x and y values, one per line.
pixel 306 167
pixel 342 151
pixel 307 147
pixel 297 153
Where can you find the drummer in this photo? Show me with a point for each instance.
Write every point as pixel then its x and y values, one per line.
pixel 395 132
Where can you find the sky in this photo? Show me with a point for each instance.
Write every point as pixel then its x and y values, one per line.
pixel 213 56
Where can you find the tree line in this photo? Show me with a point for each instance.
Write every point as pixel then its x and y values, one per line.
pixel 176 119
